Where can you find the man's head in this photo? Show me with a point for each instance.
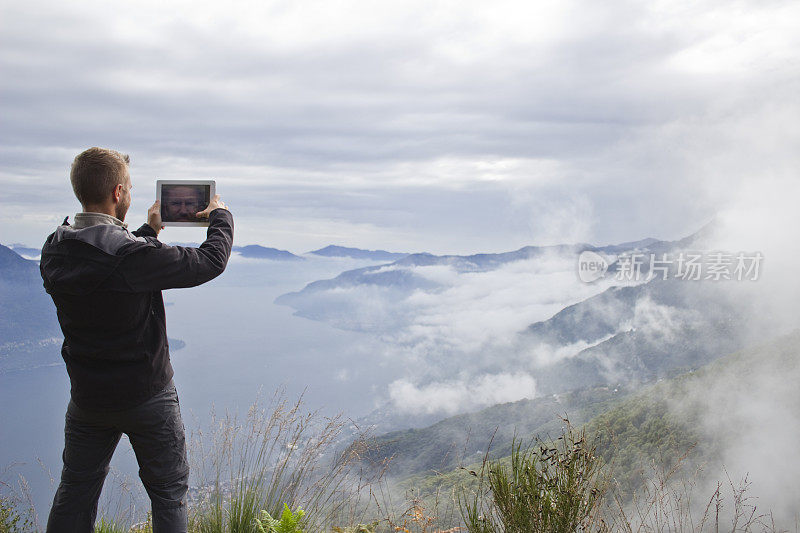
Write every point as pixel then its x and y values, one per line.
pixel 101 181
pixel 181 203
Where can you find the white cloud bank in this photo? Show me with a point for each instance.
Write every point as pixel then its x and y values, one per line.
pixel 458 396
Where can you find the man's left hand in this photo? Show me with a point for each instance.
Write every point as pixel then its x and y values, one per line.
pixel 154 217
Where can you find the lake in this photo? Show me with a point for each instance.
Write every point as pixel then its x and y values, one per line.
pixel 251 346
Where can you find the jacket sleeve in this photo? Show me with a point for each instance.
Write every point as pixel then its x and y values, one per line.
pixel 159 266
pixel 145 231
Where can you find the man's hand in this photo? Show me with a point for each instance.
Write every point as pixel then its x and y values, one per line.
pixel 216 203
pixel 154 217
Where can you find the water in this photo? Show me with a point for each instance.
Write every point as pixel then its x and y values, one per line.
pixel 237 344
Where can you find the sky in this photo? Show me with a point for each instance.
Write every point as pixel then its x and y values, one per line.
pixel 447 127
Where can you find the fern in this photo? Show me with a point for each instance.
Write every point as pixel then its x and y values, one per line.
pixel 288 523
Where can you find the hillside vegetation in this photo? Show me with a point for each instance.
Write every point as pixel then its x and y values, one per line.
pixel 582 479
pixel 659 427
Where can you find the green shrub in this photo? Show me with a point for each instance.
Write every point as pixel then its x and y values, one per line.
pixel 9 518
pixel 547 487
pixel 12 519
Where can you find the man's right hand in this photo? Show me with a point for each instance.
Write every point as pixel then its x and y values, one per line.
pixel 154 217
pixel 216 203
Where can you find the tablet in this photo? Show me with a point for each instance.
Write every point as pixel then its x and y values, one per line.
pixel 182 199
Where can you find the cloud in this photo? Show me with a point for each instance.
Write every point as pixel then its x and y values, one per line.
pixel 456 396
pixel 542 355
pixel 660 323
pixel 619 111
pixel 467 323
pixel 449 127
pixel 748 411
pixel 478 309
pixel 451 309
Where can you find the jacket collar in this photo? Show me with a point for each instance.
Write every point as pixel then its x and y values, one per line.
pixel 88 219
pixel 104 236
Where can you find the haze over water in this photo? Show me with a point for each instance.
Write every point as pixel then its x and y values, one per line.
pixel 238 343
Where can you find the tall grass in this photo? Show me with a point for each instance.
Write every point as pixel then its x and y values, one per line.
pixel 17 512
pixel 280 454
pixel 670 503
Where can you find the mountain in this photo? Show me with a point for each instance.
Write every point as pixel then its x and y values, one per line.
pixel 321 299
pixel 632 245
pixel 27 312
pixel 260 252
pixel 380 275
pixel 29 331
pixel 731 416
pixel 16 269
pixel 399 273
pixel 639 333
pixel 26 252
pixel 336 301
pixel 254 251
pixel 357 253
pixel 622 338
pixel 485 262
pixel 464 438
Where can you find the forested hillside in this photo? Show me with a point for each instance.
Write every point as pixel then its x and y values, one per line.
pixel 684 421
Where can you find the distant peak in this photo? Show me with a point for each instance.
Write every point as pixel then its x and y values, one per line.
pixel 333 250
pixel 262 252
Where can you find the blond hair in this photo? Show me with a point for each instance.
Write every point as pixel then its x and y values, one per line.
pixel 96 172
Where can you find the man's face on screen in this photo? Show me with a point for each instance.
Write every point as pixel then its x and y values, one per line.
pixel 181 203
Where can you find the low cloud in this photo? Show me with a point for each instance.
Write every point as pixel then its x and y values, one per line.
pixel 456 396
pixel 748 412
pixel 660 323
pixel 543 355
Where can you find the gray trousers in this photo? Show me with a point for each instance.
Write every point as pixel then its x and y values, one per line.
pixel 155 430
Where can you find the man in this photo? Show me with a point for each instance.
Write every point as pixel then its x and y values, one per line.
pixel 181 202
pixel 106 284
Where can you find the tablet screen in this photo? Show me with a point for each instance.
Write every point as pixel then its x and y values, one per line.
pixel 180 202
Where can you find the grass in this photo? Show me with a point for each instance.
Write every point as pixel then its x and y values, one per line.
pixel 279 455
pixel 548 486
pixel 282 457
pixel 17 512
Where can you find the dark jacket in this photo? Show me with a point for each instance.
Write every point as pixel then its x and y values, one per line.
pixel 106 283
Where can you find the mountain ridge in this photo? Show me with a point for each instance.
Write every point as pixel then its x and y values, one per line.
pixel 27 313
pixel 655 424
pixel 357 253
pixel 256 251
